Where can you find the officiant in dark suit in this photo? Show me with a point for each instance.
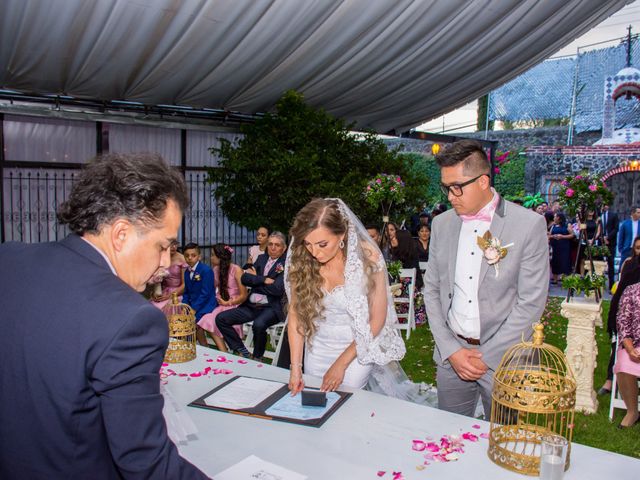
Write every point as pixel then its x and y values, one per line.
pixel 610 224
pixel 80 348
pixel 264 305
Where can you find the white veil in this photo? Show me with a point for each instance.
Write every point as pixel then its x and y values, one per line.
pixel 387 348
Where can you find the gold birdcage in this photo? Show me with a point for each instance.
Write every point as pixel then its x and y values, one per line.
pixel 182 331
pixel 534 394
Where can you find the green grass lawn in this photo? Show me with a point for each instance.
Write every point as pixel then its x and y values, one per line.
pixel 594 430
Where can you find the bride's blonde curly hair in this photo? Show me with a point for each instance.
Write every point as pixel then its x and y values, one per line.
pixel 304 270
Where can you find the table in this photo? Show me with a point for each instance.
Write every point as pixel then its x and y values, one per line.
pixel 369 433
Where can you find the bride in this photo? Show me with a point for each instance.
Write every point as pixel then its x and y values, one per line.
pixel 340 307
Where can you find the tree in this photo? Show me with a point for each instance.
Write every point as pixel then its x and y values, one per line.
pixel 298 153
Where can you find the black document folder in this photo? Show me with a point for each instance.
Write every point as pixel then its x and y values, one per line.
pixel 278 397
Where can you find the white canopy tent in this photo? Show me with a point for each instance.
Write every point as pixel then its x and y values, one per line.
pixel 387 65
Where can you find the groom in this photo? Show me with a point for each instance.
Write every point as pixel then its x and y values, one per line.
pixel 478 303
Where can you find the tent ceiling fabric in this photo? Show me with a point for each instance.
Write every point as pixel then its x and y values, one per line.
pixel 384 64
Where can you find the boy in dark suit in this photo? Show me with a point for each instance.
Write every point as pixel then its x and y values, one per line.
pixel 199 287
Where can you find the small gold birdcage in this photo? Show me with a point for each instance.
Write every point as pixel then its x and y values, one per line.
pixel 182 331
pixel 534 394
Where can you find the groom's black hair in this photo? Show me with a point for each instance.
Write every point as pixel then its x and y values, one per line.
pixel 468 151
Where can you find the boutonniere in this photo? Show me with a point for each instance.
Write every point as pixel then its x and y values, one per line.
pixel 196 277
pixel 492 249
pixel 279 268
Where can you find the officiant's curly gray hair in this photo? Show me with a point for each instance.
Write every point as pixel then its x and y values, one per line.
pixel 132 186
pixel 304 271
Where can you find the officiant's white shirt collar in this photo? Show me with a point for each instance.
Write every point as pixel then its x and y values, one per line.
pixel 102 254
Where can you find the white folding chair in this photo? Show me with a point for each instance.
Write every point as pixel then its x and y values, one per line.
pixel 410 317
pixel 616 399
pixel 276 337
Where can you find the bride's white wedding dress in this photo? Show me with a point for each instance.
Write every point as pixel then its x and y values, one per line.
pixel 332 337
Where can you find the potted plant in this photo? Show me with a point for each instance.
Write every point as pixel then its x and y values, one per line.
pixel 590 284
pixel 384 190
pixel 394 268
pixel 578 195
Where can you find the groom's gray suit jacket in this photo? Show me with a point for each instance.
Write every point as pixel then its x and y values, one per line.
pixel 509 303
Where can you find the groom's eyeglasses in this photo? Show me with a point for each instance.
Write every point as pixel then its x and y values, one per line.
pixel 456 188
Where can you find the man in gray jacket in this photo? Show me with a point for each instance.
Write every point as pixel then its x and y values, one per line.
pixel 486 281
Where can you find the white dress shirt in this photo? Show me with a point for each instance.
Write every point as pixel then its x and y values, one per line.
pixel 634 230
pixel 464 314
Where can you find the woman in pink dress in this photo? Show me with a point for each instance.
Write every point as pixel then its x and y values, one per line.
pixel 230 291
pixel 627 366
pixel 171 279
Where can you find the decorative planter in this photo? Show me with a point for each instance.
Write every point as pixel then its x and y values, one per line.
pixel 582 349
pixel 599 266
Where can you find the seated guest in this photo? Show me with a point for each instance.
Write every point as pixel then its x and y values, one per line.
pixel 264 305
pixel 422 243
pixel 171 279
pixel 374 232
pixel 262 234
pixel 406 252
pixel 199 287
pixel 231 291
pixel 627 367
pixel 629 275
pixel 81 349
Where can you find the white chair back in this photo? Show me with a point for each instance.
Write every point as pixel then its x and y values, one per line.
pixel 407 299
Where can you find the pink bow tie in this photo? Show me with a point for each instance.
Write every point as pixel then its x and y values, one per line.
pixel 483 216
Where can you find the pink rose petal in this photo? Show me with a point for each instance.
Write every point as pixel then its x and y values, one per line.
pixel 195 374
pixel 432 447
pixel 475 426
pixel 398 476
pixel 381 473
pixel 242 362
pixel 418 446
pixel 484 435
pixel 165 364
pixel 182 374
pixel 209 359
pixel 470 436
pixel 259 365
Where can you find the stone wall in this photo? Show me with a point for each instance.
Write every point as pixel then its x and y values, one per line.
pixel 507 139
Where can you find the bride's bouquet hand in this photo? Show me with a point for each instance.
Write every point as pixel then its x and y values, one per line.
pixel 296 382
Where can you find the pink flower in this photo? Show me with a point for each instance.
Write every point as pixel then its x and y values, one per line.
pixel 492 254
pixel 398 179
pixel 564 183
pixel 569 192
pixel 378 181
pixel 578 177
pixel 496 170
pixel 593 188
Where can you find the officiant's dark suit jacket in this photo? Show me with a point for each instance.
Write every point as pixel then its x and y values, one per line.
pixel 80 353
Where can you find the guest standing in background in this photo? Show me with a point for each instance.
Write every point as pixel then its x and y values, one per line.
pixel 560 237
pixel 592 232
pixel 610 224
pixel 199 287
pixel 262 236
pixel 173 280
pixel 422 243
pixel 629 275
pixel 405 251
pixel 629 229
pixel 231 292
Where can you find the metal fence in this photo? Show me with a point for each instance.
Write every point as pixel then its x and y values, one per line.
pixel 32 195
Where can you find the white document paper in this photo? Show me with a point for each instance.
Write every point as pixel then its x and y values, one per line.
pixel 242 393
pixel 291 407
pixel 254 468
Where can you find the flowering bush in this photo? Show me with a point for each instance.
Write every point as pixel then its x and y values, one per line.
pixel 384 189
pixel 582 193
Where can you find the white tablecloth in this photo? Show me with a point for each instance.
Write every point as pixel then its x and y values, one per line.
pixel 369 433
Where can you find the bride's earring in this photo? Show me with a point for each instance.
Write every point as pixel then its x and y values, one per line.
pixel 341 244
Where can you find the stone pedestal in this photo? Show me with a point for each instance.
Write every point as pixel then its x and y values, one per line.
pixel 582 349
pixel 600 267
